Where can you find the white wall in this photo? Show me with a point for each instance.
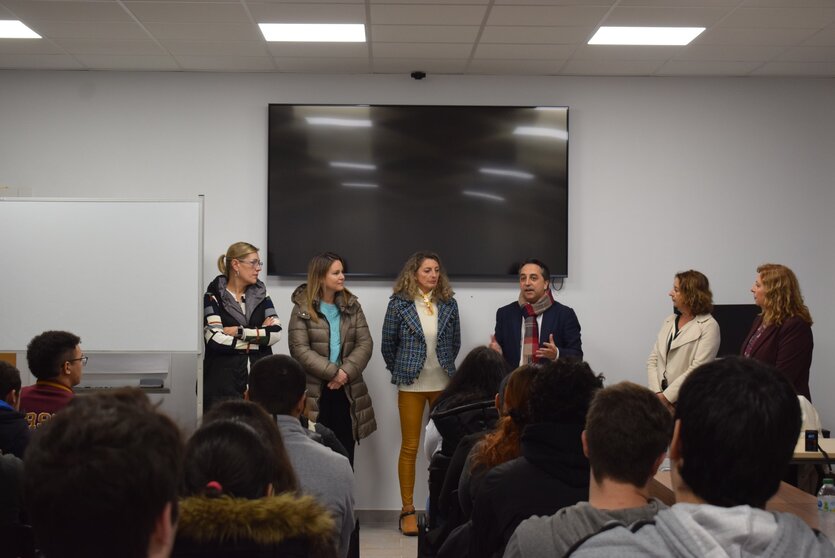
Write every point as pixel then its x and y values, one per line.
pixel 665 174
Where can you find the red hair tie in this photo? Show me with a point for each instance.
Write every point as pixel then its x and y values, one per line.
pixel 215 485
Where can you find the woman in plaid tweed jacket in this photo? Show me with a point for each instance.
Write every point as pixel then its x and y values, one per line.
pixel 421 339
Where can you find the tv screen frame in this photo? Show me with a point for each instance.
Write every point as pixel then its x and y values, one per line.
pixel 533 195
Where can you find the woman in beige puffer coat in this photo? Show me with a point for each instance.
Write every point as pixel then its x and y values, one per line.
pixel 329 336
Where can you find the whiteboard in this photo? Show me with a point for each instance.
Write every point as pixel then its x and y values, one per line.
pixel 122 275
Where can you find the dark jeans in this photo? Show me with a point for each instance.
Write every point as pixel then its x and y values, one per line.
pixel 335 413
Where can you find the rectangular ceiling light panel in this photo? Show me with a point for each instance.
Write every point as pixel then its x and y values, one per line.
pixel 314 32
pixel 652 36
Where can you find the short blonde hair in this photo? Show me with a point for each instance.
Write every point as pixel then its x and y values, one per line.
pixel 782 299
pixel 407 285
pixel 695 289
pixel 234 252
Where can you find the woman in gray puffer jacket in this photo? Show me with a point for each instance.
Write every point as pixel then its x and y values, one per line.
pixel 329 336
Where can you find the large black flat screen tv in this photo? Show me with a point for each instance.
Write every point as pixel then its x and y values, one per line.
pixel 484 186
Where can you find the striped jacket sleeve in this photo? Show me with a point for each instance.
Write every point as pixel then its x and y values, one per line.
pixel 252 338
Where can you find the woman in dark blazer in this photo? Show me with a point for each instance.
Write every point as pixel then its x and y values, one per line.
pixel 421 339
pixel 782 334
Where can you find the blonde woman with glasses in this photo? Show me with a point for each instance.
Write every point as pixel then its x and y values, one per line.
pixel 239 324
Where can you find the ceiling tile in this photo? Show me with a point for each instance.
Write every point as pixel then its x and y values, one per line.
pixel 524 52
pixel 729 52
pixel 808 54
pixel 673 17
pixel 127 30
pixel 30 11
pixel 227 63
pixel 39 62
pixel 114 48
pixel 323 65
pixel 751 36
pixel 536 35
pixel 787 3
pixel 610 68
pixel 824 37
pixel 424 33
pixel 421 50
pixel 188 12
pixel 136 63
pixel 427 15
pixel 786 18
pixel 569 16
pixel 319 50
pixel 706 68
pixel 605 52
pixel 205 31
pixel 215 48
pixel 680 3
pixel 29 46
pixel 803 69
pixel 266 12
pixel 515 67
pixel 407 65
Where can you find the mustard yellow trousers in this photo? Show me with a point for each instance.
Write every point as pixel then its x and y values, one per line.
pixel 410 404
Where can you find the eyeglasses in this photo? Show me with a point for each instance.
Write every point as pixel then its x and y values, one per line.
pixel 83 360
pixel 253 263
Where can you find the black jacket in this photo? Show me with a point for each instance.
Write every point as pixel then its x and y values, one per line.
pixel 453 423
pixel 551 474
pixel 14 432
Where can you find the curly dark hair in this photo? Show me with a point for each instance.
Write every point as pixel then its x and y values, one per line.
pixel 48 351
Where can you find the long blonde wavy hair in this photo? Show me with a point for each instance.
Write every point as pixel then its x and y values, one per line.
pixel 406 284
pixel 783 299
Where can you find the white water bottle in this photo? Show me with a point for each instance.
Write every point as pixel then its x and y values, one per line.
pixel 826 497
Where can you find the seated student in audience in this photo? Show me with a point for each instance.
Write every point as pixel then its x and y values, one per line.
pixel 552 472
pixel 460 408
pixel 278 384
pixel 231 508
pixel 626 436
pixel 14 431
pixel 284 478
pixel 503 443
pixel 101 479
pixel 56 360
pixel 736 425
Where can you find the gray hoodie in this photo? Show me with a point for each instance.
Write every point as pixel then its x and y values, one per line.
pixel 545 537
pixel 702 530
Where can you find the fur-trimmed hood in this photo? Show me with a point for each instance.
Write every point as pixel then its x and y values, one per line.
pixel 265 522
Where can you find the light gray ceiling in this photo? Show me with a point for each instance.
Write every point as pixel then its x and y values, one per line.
pixel 512 37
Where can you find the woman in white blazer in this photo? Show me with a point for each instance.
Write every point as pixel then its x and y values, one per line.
pixel 688 338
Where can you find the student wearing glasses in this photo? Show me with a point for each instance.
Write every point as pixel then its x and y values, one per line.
pixel 56 360
pixel 239 324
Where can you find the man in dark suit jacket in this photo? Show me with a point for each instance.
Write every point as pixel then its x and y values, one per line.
pixel 557 325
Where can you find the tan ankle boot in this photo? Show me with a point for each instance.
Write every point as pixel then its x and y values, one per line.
pixel 408 521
